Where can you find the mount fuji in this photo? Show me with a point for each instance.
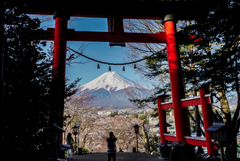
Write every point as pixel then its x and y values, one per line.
pixel 112 89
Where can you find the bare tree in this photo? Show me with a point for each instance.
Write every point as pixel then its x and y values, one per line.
pixel 77 110
pixel 137 51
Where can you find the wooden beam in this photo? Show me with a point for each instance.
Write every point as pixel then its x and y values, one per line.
pixel 197 141
pixel 186 102
pixel 73 35
pixel 144 9
pixel 167 105
pixel 170 137
pixel 190 102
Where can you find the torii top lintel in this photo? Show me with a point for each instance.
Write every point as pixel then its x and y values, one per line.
pixel 139 9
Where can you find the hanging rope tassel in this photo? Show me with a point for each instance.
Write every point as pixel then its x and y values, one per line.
pixel 109 69
pixel 135 66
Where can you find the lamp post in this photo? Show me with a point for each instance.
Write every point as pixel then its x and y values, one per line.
pixel 136 128
pixel 75 132
pixel 219 128
pixel 222 140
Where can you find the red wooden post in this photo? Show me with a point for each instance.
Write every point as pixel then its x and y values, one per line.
pixel 60 46
pixel 59 56
pixel 59 59
pixel 207 119
pixel 59 67
pixel 162 119
pixel 180 114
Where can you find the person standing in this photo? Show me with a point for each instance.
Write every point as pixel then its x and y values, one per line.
pixel 69 142
pixel 111 148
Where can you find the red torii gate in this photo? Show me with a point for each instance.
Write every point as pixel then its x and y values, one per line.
pixel 61 35
pixel 144 9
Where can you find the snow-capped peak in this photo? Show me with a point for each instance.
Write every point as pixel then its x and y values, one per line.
pixel 109 81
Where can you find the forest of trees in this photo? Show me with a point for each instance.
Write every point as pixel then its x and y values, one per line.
pixel 29 110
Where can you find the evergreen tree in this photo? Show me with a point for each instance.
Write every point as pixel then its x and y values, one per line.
pixel 28 97
pixel 217 59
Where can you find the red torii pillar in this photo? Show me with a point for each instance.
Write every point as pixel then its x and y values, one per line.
pixel 59 63
pixel 177 88
pixel 59 68
pixel 207 119
pixel 60 45
pixel 162 119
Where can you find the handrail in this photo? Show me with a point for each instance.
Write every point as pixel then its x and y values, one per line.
pixel 195 138
pixel 186 99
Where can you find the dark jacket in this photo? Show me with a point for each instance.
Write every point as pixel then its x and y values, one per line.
pixel 113 140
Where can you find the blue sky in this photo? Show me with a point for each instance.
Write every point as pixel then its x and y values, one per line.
pixel 97 50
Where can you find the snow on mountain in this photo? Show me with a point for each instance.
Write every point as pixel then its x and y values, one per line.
pixel 112 89
pixel 110 81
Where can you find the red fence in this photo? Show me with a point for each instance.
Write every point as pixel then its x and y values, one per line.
pixel 205 101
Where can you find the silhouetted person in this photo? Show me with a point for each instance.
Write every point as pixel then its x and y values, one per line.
pixel 69 142
pixel 111 141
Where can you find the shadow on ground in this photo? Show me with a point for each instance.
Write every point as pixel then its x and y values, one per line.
pixel 119 157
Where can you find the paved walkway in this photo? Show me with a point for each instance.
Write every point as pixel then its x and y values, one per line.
pixel 125 156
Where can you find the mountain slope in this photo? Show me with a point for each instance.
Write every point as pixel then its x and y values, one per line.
pixel 112 89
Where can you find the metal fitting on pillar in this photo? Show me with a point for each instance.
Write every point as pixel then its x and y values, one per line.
pixel 61 13
pixel 169 17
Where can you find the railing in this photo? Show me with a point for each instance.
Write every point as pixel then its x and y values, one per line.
pixel 187 102
pixel 204 100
